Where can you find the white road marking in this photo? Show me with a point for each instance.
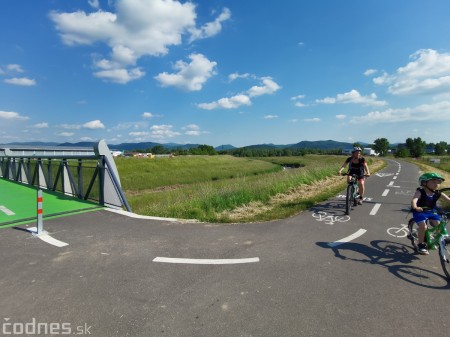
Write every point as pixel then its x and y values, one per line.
pixel 47 238
pixel 391 184
pixel 375 209
pixel 385 193
pixel 348 238
pixel 143 217
pixel 6 210
pixel 205 261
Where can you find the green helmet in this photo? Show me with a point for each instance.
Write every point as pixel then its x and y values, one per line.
pixel 429 176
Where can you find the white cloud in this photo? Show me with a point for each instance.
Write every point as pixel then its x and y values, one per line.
pixel 235 76
pixel 341 116
pixel 121 76
pixel 147 115
pixel 227 103
pixel 193 130
pixel 10 115
pixel 96 124
pixel 427 73
pixel 268 88
pixel 297 102
pixel 22 81
pixel 41 125
pixel 65 134
pixel 139 133
pixel 353 97
pixel 211 28
pixel 437 112
pixel 138 28
pixel 70 126
pixel 163 132
pixel 270 117
pixel 294 98
pixel 190 77
pixel 369 72
pixel 14 68
pixel 314 120
pixel 94 3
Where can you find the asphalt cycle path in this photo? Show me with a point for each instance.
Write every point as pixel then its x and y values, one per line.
pixel 320 273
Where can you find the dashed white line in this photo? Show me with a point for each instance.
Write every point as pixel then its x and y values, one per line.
pixel 348 238
pixel 385 193
pixel 375 209
pixel 205 261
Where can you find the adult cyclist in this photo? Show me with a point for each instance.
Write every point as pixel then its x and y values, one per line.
pixel 357 165
pixel 423 205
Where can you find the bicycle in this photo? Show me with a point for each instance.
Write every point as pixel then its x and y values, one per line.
pixel 435 236
pixel 352 192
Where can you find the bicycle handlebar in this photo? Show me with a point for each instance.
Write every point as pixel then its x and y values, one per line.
pixel 440 212
pixel 354 175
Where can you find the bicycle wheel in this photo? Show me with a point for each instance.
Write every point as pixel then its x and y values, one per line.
pixel 412 233
pixel 355 195
pixel 348 199
pixel 444 256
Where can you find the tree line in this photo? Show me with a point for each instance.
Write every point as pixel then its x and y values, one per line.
pixel 411 148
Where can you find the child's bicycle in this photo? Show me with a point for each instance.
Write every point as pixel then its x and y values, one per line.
pixel 352 193
pixel 435 236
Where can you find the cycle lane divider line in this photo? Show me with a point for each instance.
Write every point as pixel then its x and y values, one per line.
pixel 347 239
pixel 375 209
pixel 205 261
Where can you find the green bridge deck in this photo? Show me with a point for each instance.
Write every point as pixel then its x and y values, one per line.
pixel 18 204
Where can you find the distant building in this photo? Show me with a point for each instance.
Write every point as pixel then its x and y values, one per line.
pixel 369 152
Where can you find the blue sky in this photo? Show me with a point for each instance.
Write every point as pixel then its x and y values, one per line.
pixel 217 72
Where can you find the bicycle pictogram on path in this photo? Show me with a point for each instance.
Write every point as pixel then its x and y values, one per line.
pixel 398 232
pixel 330 219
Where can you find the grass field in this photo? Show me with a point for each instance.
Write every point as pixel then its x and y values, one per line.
pixel 215 188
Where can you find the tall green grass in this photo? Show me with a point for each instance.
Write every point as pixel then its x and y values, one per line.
pixel 202 188
pixel 143 174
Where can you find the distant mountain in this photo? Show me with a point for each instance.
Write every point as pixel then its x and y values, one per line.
pixel 33 144
pixel 79 144
pixel 225 147
pixel 265 147
pixel 320 144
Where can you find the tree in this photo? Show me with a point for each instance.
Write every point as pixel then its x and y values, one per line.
pixel 416 147
pixel 381 146
pixel 440 148
pixel 402 152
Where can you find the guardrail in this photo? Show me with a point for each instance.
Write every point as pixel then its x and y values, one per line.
pixel 85 173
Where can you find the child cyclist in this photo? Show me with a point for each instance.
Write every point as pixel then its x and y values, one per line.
pixel 357 165
pixel 423 205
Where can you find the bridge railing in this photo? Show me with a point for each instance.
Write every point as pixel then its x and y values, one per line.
pixel 85 173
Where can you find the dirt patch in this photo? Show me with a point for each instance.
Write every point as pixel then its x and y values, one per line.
pixel 133 193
